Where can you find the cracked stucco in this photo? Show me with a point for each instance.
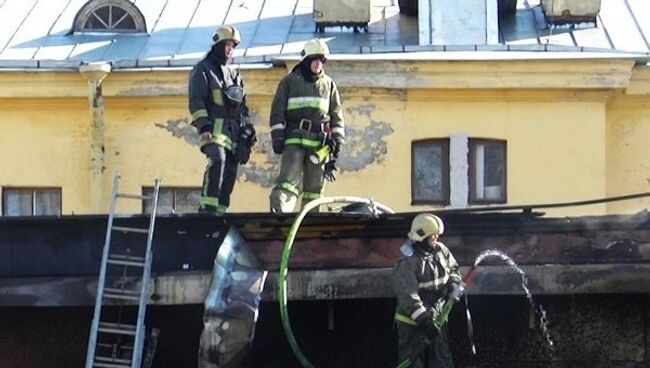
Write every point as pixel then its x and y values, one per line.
pixel 364 145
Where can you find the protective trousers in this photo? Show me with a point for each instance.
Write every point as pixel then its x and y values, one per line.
pixel 218 180
pixel 296 168
pixel 412 344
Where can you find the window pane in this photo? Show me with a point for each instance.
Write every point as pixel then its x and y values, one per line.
pixel 165 200
pixel 104 14
pixel 489 162
pixel 47 202
pixel 428 174
pixel 187 200
pixel 174 200
pixel 17 202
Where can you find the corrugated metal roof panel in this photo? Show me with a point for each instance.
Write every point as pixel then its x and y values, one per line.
pixel 11 17
pixel 33 31
pixel 168 32
pixel 641 13
pixel 620 26
pixel 181 30
pixel 63 25
pixel 151 11
pixel 197 38
pixel 125 47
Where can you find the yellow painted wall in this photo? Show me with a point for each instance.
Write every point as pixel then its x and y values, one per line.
pixel 545 164
pixel 563 144
pixel 628 152
pixel 45 144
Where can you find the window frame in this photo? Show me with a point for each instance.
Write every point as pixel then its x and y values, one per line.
pixel 88 10
pixel 446 177
pixel 33 191
pixel 471 143
pixel 147 190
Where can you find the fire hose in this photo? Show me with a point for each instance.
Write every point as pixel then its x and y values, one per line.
pixel 443 317
pixel 283 271
pixel 284 263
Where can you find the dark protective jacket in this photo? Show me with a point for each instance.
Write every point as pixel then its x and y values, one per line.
pixel 421 280
pixel 211 110
pixel 301 106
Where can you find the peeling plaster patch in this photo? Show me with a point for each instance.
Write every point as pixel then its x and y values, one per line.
pixel 258 171
pixel 181 128
pixel 258 174
pixel 364 147
pixel 153 91
pixel 263 174
pixel 364 110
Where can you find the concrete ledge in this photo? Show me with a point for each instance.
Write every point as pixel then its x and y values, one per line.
pixel 191 287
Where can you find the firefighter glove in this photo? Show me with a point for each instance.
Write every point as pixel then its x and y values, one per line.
pixel 247 139
pixel 277 140
pixel 328 171
pixel 427 321
pixel 455 290
pixel 278 146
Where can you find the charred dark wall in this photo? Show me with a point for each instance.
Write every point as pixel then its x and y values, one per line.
pixel 588 331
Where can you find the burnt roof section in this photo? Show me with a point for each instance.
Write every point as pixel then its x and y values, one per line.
pixel 36 34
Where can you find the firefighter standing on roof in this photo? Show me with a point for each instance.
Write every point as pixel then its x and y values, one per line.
pixel 424 278
pixel 306 120
pixel 217 102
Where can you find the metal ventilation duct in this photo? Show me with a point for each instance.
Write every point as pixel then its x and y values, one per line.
pixel 570 11
pixel 453 22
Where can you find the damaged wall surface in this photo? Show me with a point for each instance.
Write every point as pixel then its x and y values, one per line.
pixel 568 116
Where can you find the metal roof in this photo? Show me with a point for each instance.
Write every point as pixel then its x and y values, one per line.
pixel 37 33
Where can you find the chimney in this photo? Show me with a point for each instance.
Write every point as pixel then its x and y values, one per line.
pixel 570 11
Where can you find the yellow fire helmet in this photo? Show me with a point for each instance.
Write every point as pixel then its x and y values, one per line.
pixel 425 225
pixel 227 32
pixel 315 47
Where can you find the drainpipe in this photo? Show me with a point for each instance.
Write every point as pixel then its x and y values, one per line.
pixel 95 74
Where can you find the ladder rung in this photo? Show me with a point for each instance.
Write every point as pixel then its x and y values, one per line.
pixel 117 328
pixel 101 359
pixel 135 196
pixel 110 365
pixel 110 346
pixel 124 260
pixel 131 229
pixel 121 294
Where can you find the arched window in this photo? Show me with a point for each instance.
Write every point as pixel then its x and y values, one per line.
pixel 109 16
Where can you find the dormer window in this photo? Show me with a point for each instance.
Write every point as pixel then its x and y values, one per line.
pixel 109 16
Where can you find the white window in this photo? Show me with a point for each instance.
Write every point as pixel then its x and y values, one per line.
pixel 31 201
pixel 173 200
pixel 110 16
pixel 487 171
pixel 430 171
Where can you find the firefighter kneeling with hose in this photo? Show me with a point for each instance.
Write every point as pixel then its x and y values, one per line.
pixel 425 277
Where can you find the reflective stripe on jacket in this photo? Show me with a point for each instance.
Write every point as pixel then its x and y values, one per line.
pixel 300 107
pixel 206 102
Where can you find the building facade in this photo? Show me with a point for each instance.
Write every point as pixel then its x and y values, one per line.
pixel 428 126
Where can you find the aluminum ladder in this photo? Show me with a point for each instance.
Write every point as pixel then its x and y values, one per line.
pixel 114 343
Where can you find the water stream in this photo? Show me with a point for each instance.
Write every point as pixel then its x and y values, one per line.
pixel 543 320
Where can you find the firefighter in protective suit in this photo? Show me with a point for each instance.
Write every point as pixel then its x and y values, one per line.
pixel 307 129
pixel 425 276
pixel 217 102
